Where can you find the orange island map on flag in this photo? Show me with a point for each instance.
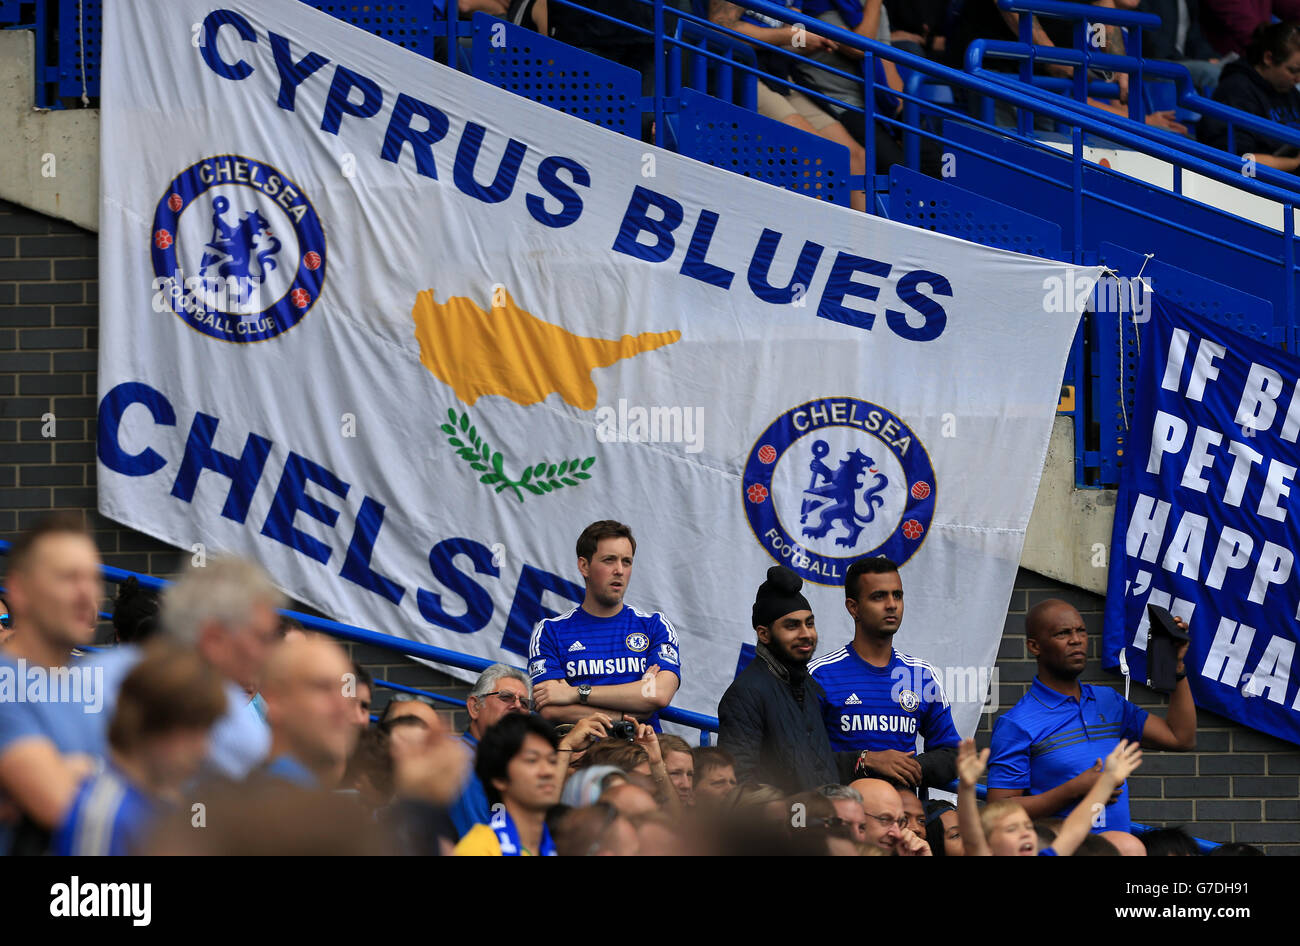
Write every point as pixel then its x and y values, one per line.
pixel 510 352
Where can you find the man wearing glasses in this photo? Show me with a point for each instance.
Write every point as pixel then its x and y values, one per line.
pixel 886 820
pixel 499 692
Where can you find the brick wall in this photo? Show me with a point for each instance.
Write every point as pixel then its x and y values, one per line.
pixel 1239 785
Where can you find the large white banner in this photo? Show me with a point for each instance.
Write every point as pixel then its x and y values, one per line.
pixel 400 336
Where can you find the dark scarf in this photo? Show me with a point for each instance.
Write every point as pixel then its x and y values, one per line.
pixel 792 674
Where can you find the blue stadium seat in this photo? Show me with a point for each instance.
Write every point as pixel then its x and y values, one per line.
pixel 726 136
pixel 556 74
pixel 939 205
pixel 408 23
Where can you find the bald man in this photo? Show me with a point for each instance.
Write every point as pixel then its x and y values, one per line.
pixel 309 712
pixel 1047 749
pixel 886 820
pixel 631 801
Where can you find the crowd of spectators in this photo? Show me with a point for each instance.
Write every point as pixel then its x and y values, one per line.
pixel 214 726
pixel 1243 53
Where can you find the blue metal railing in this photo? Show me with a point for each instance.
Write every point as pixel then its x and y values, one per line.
pixel 400 645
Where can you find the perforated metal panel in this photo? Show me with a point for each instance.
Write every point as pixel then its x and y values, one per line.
pixel 408 23
pixel 80 39
pixel 735 139
pixel 943 207
pixel 557 74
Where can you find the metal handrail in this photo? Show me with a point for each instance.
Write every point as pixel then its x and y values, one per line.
pixel 400 645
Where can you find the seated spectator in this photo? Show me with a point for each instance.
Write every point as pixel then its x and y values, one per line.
pixel 409 704
pixel 135 613
pixel 1094 845
pixel 680 766
pixel 1263 84
pixel 598 830
pixel 312 733
pixel 631 800
pixel 619 753
pixel 1179 39
pixel 813 814
pixel 942 832
pixel 586 785
pixel 660 836
pixel 430 767
pixel 370 770
pixel 1046 829
pixel 913 813
pixel 867 18
pixel 715 776
pixel 48 746
pixel 848 808
pixel 1235 849
pixel 768 800
pixel 918 26
pixel 1003 828
pixel 499 691
pixel 886 823
pixel 270 819
pixel 1125 844
pixel 1170 842
pixel 779 101
pixel 519 767
pixel 362 695
pixel 1230 25
pixel 157 740
pixel 226 610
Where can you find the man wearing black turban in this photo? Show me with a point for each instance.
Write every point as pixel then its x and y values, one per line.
pixel 769 718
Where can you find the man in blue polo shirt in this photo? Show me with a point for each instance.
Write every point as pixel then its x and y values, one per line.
pixel 1047 749
pixel 604 656
pixel 879 700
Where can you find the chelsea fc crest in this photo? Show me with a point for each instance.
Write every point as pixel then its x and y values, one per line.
pixel 637 642
pixel 835 480
pixel 238 251
pixel 909 701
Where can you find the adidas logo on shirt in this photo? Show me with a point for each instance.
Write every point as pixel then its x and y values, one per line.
pixel 853 700
pixel 576 645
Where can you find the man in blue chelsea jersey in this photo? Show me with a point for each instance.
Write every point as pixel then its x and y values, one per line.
pixel 879 700
pixel 604 656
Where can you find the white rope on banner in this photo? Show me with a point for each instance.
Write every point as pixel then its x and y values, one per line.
pixel 81 49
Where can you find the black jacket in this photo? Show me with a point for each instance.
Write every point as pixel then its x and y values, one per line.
pixel 1241 87
pixel 1159 43
pixel 770 721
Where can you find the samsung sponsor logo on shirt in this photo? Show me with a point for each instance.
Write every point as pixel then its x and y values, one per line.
pixel 877 722
pixel 128 900
pixel 595 668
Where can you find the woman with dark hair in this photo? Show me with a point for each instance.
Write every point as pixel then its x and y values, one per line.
pixel 1262 84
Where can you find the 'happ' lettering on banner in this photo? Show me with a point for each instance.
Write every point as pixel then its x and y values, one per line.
pixel 1204 517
